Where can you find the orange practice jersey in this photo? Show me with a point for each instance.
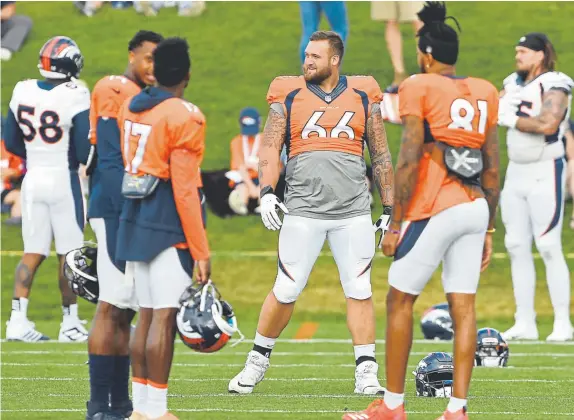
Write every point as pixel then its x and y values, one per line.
pixel 457 111
pixel 10 161
pixel 107 97
pixel 156 141
pixel 319 121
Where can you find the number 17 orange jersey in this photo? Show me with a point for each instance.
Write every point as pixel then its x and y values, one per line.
pixel 163 136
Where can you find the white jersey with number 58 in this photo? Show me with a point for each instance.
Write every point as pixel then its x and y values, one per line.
pixel 46 114
pixel 530 147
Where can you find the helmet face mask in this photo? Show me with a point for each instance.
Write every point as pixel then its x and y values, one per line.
pixel 205 323
pixel 491 349
pixel 434 376
pixel 80 269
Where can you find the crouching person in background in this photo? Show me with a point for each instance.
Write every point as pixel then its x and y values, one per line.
pixel 244 179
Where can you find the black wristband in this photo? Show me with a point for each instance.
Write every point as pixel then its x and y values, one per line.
pixel 387 210
pixel 266 190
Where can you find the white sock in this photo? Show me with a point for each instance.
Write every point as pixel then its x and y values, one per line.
pixel 19 309
pixel 70 312
pixel 523 282
pixel 558 279
pixel 265 342
pixel 139 395
pixel 156 401
pixel 367 350
pixel 455 404
pixel 393 400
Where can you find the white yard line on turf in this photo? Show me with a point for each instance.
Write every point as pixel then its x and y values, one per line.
pixel 340 341
pixel 273 254
pixel 232 410
pixel 11 353
pixel 294 396
pixel 549 381
pixel 275 366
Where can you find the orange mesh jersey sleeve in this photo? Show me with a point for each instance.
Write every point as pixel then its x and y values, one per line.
pixel 107 98
pixel 369 85
pixel 184 167
pixel 188 145
pixel 281 86
pixel 411 97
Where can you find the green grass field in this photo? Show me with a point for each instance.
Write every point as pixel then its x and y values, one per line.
pixel 237 49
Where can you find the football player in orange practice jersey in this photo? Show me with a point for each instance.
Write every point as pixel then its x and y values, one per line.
pixel 324 119
pixel 161 234
pixel 108 343
pixel 446 194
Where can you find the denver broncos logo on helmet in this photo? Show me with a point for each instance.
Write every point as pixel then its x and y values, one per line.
pixel 60 58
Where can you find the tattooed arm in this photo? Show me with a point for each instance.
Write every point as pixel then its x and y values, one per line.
pixel 380 155
pixel 491 175
pixel 272 142
pixel 407 167
pixel 554 106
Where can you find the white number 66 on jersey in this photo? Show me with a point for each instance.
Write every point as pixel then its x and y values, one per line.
pixel 313 126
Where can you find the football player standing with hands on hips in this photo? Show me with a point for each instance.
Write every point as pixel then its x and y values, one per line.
pixel 324 119
pixel 446 193
pixel 535 106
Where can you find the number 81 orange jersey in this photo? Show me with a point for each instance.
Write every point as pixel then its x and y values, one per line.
pixel 456 110
pixel 319 121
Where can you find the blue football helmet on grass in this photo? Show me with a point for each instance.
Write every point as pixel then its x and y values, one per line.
pixel 491 349
pixel 434 375
pixel 436 323
pixel 80 269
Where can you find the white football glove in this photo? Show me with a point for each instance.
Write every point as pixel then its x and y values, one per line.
pixel 382 223
pixel 508 107
pixel 269 204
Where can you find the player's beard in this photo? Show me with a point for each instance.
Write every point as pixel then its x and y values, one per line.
pixel 523 74
pixel 318 77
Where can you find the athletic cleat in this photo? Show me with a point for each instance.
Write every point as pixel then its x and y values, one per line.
pixel 459 415
pixel 562 331
pixel 378 410
pixel 366 381
pixel 73 332
pixel 521 331
pixel 124 408
pixel 251 375
pixel 23 330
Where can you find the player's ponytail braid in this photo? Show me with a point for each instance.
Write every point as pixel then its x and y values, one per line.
pixel 436 37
